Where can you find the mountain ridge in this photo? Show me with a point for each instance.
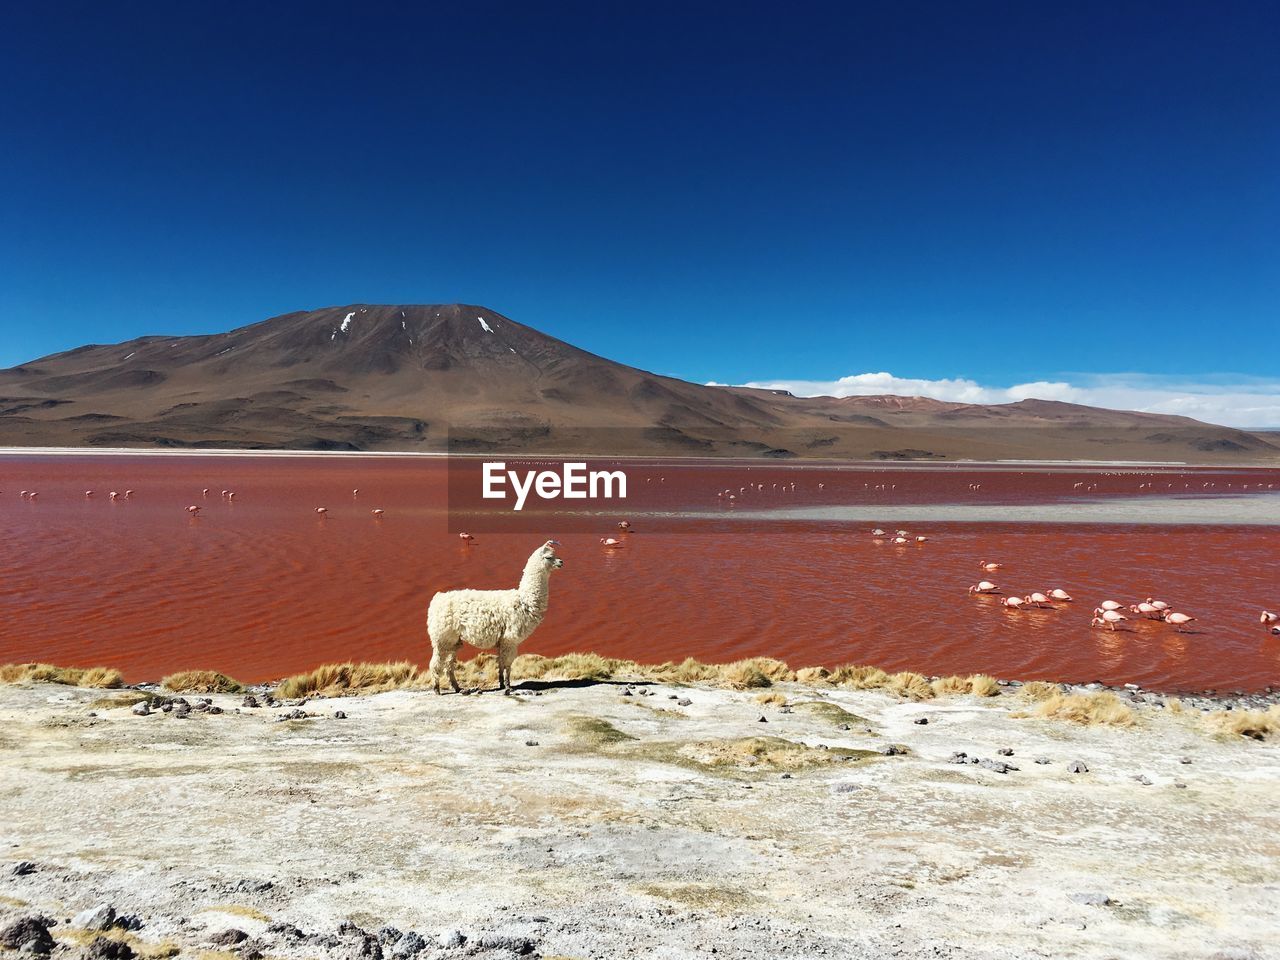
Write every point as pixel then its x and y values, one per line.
pixel 416 376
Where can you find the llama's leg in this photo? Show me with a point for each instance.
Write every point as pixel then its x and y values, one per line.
pixel 435 668
pixel 506 655
pixel 452 663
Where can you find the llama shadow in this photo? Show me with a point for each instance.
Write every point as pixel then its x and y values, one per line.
pixel 578 684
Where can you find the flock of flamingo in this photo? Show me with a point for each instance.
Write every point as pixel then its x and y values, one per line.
pixel 1106 614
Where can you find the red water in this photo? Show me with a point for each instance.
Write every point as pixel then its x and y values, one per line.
pixel 262 586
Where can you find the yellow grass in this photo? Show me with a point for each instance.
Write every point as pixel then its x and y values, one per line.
pixel 910 685
pixel 201 681
pixel 1039 690
pixel 1255 724
pixel 771 699
pixel 101 677
pixel 1087 708
pixel 978 684
pixel 337 679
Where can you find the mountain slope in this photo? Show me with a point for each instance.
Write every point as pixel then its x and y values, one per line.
pixel 370 377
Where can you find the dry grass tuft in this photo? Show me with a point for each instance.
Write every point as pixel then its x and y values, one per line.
pixel 773 753
pixel 813 675
pixel 1087 708
pixel 103 678
pixel 1254 724
pixel 201 681
pixel 771 699
pixel 978 684
pixel 1039 690
pixel 1173 705
pixel 911 685
pixel 343 679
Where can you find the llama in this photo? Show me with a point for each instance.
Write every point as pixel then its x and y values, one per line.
pixel 490 618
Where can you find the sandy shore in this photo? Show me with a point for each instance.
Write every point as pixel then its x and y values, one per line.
pixel 582 821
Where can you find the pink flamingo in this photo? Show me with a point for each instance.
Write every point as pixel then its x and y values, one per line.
pixel 1012 603
pixel 1108 606
pixel 1158 604
pixel 610 542
pixel 990 567
pixel 922 539
pixel 193 510
pixel 1179 620
pixel 204 492
pixel 1109 618
pixel 1268 617
pixel 899 540
pixel 355 492
pixel 466 537
pixel 877 532
pixel 88 493
pixel 128 494
pixel 1039 599
pixel 983 586
pixel 377 513
pixel 1059 594
pixel 322 510
pixel 624 524
pixel 113 495
pixel 231 495
pixel 1147 610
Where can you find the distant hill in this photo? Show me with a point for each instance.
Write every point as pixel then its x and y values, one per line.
pixel 377 377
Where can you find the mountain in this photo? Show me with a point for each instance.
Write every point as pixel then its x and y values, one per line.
pixel 427 377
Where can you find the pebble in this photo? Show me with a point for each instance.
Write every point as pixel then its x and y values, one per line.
pixel 1077 766
pixel 104 948
pixel 921 721
pixel 762 719
pixel 1090 899
pixel 996 766
pixel 892 750
pixel 626 693
pixel 1179 785
pixel 100 917
pixel 30 934
pixel 1005 751
pixel 1043 760
pixel 24 868
pixel 340 715
pixel 1143 779
pixel 686 702
pixel 409 945
pixel 531 743
pixel 228 938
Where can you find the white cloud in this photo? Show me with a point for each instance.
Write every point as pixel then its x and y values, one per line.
pixel 1232 401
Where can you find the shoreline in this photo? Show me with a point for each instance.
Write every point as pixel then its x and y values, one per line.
pixel 478 673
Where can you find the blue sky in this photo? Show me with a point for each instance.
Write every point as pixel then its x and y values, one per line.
pixel 1084 195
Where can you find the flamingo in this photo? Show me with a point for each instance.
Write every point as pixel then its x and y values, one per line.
pixel 1039 599
pixel 1179 620
pixel 983 586
pixel 624 524
pixel 1012 603
pixel 902 533
pixel 1150 611
pixel 88 493
pixel 377 513
pixel 231 495
pixel 355 492
pixel 1108 606
pixel 877 532
pixel 610 542
pixel 1108 618
pixel 193 510
pixel 322 510
pixel 113 495
pixel 465 537
pixel 990 567
pixel 204 492
pixel 1268 617
pixel 1158 604
pixel 32 495
pixel 1275 631
pixel 23 494
pixel 1059 594
pixel 922 539
pixel 128 494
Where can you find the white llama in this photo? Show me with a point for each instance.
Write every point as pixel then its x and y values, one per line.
pixel 490 618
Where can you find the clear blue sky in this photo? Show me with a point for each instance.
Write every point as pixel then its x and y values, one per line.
pixel 1000 191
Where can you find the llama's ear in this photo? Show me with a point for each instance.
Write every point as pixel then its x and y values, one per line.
pixel 552 543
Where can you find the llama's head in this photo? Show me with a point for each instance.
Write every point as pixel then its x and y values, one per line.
pixel 547 554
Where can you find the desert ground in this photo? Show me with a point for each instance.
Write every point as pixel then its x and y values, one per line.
pixel 606 819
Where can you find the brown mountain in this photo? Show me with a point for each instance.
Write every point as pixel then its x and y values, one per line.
pixel 415 377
